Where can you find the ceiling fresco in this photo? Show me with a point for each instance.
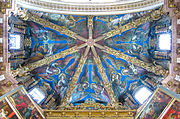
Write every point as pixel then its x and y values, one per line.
pixel 104 59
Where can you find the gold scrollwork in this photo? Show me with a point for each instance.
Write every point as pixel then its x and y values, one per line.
pixel 90 21
pixel 72 85
pixel 23 70
pixel 95 114
pixel 154 15
pixel 107 84
pixel 31 17
pixel 155 69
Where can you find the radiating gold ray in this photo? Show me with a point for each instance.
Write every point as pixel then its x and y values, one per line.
pixel 31 66
pixel 158 70
pixel 90 21
pixel 107 84
pixel 90 32
pixel 60 29
pixel 134 24
pixel 100 38
pixel 46 23
pixel 72 85
pixel 80 38
pixel 90 26
pixel 94 51
pixel 86 51
pixel 99 46
pixel 82 45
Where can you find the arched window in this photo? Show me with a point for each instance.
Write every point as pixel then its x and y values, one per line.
pixel 15 41
pixel 37 95
pixel 165 41
pixel 142 94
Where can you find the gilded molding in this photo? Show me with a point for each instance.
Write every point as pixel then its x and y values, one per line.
pixel 22 71
pixel 5 5
pixel 24 15
pixel 46 23
pixel 107 85
pixel 90 21
pixel 176 68
pixel 1 30
pixel 154 15
pixel 149 67
pixel 72 85
pixel 171 4
pixel 90 104
pixel 95 114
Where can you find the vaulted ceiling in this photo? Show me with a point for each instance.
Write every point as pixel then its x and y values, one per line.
pixel 105 59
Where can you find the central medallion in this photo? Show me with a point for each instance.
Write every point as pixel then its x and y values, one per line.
pixel 90 42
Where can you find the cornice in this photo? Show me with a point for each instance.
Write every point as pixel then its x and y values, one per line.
pixel 57 6
pixel 107 2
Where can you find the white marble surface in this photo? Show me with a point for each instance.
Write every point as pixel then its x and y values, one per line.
pixel 178 60
pixel 178 21
pixel 1 20
pixel 1 59
pixel 1 40
pixel 2 77
pixel 178 40
pixel 177 78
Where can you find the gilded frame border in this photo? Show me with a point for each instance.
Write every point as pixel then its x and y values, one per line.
pixel 160 89
pixel 169 106
pixel 9 100
pixel 10 105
